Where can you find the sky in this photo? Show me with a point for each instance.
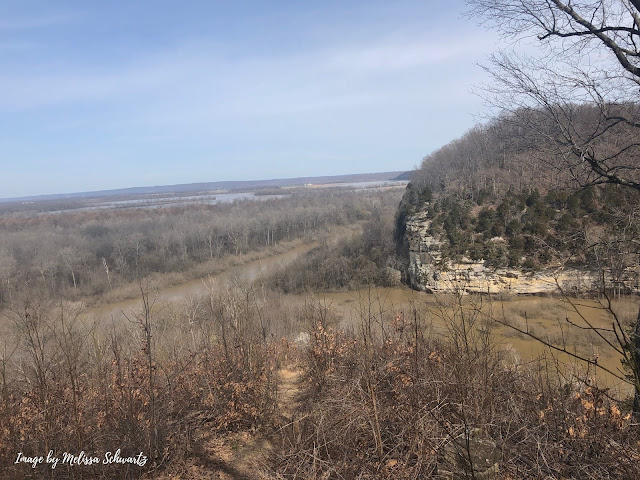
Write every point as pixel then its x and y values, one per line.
pixel 98 95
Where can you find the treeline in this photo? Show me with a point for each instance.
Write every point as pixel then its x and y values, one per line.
pixel 366 258
pixel 529 149
pixel 86 253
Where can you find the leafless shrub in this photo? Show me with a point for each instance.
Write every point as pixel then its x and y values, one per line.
pixel 406 406
pixel 75 387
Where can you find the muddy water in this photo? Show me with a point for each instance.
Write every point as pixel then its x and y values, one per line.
pixel 240 274
pixel 546 317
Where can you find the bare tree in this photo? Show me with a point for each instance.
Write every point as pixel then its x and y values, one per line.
pixel 587 61
pixel 69 256
pixel 577 98
pixel 8 266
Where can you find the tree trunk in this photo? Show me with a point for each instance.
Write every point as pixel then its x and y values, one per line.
pixel 635 355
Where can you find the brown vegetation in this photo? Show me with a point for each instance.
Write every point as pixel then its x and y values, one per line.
pixel 69 385
pixel 366 258
pixel 389 402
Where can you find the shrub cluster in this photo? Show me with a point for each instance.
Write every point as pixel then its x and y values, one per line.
pixel 72 388
pixel 388 403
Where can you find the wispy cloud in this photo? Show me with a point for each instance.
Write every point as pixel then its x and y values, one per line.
pixel 28 23
pixel 203 75
pixel 399 56
pixel 72 85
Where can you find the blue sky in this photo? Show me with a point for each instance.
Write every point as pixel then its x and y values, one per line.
pixel 98 95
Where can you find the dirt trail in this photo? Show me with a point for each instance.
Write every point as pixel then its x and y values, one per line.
pixel 288 389
pixel 250 459
pixel 240 456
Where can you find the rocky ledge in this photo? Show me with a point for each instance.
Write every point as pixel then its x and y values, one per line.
pixel 428 272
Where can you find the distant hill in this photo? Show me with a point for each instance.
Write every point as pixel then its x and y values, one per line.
pixel 223 185
pixel 404 176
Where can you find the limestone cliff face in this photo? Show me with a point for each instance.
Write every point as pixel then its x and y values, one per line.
pixel 427 271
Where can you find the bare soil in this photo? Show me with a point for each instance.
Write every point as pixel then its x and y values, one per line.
pixel 238 456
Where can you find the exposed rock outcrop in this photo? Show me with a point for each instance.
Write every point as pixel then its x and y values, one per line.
pixel 429 272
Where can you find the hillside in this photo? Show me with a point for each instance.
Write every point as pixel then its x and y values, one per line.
pixel 496 210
